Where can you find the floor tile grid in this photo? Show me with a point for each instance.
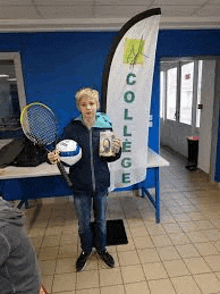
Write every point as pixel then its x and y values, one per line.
pixel 155 265
pixel 204 226
pixel 198 229
pixel 172 222
pixel 51 236
pixel 130 265
pixel 57 220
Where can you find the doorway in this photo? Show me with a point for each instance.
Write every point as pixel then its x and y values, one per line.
pixel 187 91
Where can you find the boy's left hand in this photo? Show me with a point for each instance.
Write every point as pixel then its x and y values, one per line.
pixel 116 143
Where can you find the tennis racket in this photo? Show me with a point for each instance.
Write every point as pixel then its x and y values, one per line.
pixel 40 125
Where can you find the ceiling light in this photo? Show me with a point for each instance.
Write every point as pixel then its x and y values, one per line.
pixel 4 76
pixel 12 80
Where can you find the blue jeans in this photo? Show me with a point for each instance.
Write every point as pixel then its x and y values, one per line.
pixel 83 205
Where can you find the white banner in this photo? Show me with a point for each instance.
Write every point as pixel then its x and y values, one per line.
pixel 128 95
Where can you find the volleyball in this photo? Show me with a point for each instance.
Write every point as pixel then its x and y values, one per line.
pixel 70 152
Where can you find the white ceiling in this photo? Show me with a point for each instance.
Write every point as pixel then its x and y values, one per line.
pixel 48 15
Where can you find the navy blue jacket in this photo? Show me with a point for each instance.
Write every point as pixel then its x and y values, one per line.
pixel 91 172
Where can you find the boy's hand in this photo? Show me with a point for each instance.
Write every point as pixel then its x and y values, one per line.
pixel 53 156
pixel 116 143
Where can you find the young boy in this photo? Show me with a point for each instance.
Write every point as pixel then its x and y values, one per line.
pixel 18 266
pixel 90 175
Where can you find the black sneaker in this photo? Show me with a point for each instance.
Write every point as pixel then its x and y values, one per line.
pixel 107 258
pixel 81 262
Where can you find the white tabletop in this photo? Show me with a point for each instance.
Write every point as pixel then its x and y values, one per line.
pixel 155 160
pixel 45 169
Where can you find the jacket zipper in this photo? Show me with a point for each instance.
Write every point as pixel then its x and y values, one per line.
pixel 91 157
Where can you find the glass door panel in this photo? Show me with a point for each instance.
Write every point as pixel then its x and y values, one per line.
pixel 186 93
pixel 171 93
pixel 199 85
pixel 162 93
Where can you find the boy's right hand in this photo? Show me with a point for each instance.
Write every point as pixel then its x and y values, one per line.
pixel 53 156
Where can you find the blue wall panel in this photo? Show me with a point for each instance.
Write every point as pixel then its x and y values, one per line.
pixel 188 43
pixel 56 65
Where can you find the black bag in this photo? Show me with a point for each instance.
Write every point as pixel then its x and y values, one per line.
pixel 31 155
pixel 22 152
pixel 9 152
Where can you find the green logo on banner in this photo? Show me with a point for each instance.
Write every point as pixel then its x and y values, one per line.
pixel 133 53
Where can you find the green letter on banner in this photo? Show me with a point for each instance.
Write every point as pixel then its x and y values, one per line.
pixel 126 117
pixel 126 146
pixel 129 82
pixel 129 96
pixel 125 132
pixel 126 178
pixel 126 162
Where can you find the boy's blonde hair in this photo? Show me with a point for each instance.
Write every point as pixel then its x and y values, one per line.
pixel 87 92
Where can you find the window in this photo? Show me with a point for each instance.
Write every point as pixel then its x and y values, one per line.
pixel 180 91
pixel 171 93
pixel 162 93
pixel 12 97
pixel 186 93
pixel 199 86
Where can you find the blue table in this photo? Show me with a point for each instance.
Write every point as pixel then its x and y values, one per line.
pixel 155 162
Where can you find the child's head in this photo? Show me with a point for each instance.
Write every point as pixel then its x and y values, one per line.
pixel 87 93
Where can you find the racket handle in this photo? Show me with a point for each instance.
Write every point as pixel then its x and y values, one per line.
pixel 64 174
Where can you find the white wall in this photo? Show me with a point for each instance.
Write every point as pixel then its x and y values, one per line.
pixel 174 135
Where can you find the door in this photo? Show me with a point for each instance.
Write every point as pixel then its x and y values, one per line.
pixel 207 122
pixel 180 89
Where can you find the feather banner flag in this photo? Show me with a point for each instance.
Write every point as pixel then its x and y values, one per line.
pixel 127 88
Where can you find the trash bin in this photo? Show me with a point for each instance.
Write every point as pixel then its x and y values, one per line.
pixel 193 148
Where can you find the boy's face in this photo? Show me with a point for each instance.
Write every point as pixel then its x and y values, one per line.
pixel 88 107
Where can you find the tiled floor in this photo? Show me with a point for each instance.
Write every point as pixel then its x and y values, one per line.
pixel 181 255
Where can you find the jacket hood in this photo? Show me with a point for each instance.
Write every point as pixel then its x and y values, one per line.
pixel 102 120
pixel 9 214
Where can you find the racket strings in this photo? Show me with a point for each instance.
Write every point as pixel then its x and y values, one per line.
pixel 40 124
